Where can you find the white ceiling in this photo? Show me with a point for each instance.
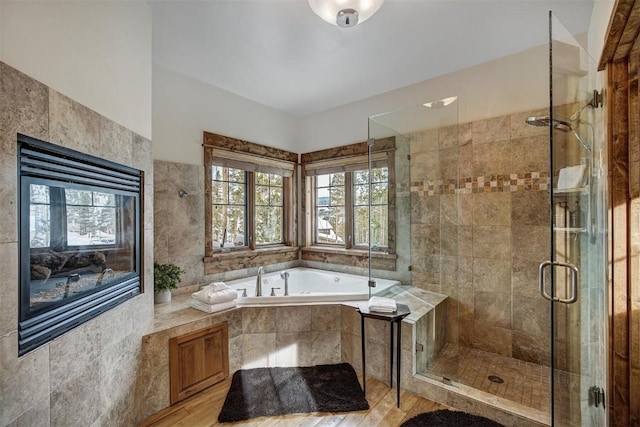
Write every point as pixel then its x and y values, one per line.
pixel 278 53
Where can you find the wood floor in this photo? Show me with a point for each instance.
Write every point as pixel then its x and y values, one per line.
pixel 202 410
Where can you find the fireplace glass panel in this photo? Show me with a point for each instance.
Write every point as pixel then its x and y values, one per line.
pixel 81 239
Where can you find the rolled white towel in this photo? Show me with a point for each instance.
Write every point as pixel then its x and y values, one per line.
pixel 211 308
pixel 382 305
pixel 215 297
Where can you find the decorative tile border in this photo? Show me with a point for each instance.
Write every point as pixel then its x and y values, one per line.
pixel 515 182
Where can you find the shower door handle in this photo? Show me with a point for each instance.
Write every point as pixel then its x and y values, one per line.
pixel 542 281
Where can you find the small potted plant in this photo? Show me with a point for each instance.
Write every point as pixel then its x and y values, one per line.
pixel 165 278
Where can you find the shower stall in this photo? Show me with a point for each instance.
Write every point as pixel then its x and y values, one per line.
pixel 505 215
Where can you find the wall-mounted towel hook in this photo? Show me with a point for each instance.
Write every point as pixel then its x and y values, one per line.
pixel 182 194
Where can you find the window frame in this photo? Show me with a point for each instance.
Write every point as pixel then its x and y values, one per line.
pixel 347 159
pixel 225 151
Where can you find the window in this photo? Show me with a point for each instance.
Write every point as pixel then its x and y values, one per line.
pixel 378 224
pixel 330 208
pixel 229 207
pixel 269 208
pixel 249 197
pixel 331 225
pixel 338 198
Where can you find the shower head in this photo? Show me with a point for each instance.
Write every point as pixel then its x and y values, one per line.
pixel 560 125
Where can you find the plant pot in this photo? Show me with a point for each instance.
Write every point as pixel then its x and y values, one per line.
pixel 161 297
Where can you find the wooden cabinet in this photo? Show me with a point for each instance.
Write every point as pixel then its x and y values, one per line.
pixel 198 360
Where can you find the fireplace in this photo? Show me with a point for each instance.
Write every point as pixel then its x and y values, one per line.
pixel 80 238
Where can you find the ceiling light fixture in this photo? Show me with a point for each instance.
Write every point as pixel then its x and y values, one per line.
pixel 345 13
pixel 441 103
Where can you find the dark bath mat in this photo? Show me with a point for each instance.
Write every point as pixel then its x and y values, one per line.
pixel 446 418
pixel 277 391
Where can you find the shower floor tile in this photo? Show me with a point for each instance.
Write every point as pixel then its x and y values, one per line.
pixel 523 382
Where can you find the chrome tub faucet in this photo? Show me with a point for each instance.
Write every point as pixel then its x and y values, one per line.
pixel 285 275
pixel 259 282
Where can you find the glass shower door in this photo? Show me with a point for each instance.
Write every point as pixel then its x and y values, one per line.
pixel 573 279
pixel 429 241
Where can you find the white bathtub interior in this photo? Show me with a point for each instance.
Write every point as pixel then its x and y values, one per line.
pixel 309 285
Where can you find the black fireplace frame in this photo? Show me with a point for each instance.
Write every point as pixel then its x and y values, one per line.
pixel 48 162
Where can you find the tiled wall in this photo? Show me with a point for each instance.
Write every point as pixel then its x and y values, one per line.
pixel 87 376
pixel 480 226
pixel 179 226
pixel 258 337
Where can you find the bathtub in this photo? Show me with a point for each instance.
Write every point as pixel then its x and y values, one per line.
pixel 309 285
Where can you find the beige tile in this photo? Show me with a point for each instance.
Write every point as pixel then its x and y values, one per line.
pixel 492 158
pixel 425 209
pixel 258 350
pixel 530 154
pixel 531 315
pixel 532 348
pixel 492 209
pixel 141 156
pixel 77 402
pixel 524 277
pixel 115 324
pixel 492 275
pixel 425 166
pixel 37 415
pixel 530 208
pixel 531 243
pixel 465 134
pixel 377 356
pixel 429 242
pixel 449 137
pixel 8 287
pixel 24 108
pixel 116 142
pixel 293 319
pixel 118 375
pixel 235 354
pixel 325 348
pixel 25 381
pixel 492 308
pixel 423 141
pixel 326 318
pixel 8 198
pixel 82 345
pixel 490 130
pixel 73 125
pixel 486 337
pixel 293 349
pixel 450 163
pixel 492 242
pixel 259 320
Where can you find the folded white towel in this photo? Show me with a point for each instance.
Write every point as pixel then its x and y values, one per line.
pixel 215 287
pixel 215 297
pixel 382 305
pixel 212 308
pixel 571 177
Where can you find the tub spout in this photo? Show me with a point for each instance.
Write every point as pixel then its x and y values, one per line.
pixel 259 282
pixel 285 276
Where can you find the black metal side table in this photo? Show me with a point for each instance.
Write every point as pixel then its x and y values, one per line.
pixel 396 317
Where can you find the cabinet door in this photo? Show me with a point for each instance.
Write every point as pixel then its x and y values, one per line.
pixel 198 360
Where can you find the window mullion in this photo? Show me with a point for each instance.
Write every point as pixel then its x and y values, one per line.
pixel 251 209
pixel 348 209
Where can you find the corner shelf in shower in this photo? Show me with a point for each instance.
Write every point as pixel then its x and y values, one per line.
pixel 570 229
pixel 579 190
